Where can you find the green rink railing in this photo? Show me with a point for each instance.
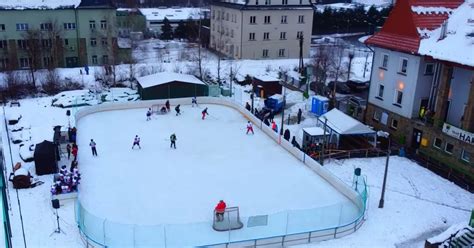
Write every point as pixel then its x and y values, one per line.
pixel 288 227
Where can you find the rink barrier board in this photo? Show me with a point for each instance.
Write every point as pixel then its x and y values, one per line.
pixel 296 238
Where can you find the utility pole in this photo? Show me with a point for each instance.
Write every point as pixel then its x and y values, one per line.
pixel 282 114
pixel 385 135
pixel 300 66
pixel 231 79
pixel 321 156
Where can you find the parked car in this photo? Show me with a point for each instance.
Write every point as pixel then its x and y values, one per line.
pixel 358 101
pixel 341 87
pixel 357 85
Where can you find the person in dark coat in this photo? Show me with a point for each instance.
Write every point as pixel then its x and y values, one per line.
pixel 173 141
pixel 286 135
pixel 68 150
pixel 299 115
pixel 247 106
pixel 271 116
pixel 177 109
pixel 167 104
pixel 294 143
pixel 266 122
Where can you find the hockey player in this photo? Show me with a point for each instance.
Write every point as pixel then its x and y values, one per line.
pixel 74 151
pixel 249 127
pixel 68 150
pixel 136 142
pixel 220 210
pixel 178 111
pixel 167 105
pixel 173 141
pixel 148 114
pixel 204 113
pixel 92 144
pixel 194 101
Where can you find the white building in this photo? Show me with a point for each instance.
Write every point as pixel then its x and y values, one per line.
pixel 155 16
pixel 261 29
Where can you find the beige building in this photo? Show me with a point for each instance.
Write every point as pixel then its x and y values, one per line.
pixel 261 29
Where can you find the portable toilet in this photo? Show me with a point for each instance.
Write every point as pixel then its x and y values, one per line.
pixel 319 105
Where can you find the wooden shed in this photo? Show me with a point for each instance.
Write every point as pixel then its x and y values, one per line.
pixel 167 85
pixel 265 86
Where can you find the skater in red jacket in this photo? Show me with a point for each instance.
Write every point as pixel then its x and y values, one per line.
pixel 249 127
pixel 204 113
pixel 220 210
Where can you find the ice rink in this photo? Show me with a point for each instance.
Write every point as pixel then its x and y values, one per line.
pixel 214 160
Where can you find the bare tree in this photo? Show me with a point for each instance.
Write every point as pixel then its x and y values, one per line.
pixel 219 43
pixel 33 48
pixel 54 44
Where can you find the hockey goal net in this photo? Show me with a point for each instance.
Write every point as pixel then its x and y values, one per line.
pixel 230 220
pixel 156 108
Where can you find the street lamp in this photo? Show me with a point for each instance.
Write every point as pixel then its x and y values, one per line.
pixel 387 136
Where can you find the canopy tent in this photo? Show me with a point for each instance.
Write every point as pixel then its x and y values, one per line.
pixel 339 124
pixel 46 156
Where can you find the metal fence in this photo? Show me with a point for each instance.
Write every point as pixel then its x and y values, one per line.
pixel 4 195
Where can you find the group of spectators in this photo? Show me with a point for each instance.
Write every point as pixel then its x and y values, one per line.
pixel 66 181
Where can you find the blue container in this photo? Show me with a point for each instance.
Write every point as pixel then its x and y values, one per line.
pixel 319 105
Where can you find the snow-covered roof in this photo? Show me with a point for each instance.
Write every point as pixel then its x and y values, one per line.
pixel 172 14
pixel 266 78
pixel 344 124
pixel 458 45
pixel 314 131
pixel 38 4
pixel 166 77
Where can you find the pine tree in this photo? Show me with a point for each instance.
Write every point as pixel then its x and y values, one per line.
pixel 180 31
pixel 166 30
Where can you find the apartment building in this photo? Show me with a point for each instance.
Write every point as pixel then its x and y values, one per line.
pixel 422 82
pixel 261 29
pixel 51 33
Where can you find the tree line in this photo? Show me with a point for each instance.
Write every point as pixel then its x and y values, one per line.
pixel 349 20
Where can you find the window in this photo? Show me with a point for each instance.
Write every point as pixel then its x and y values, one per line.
pixel 46 26
pixel 265 53
pixel 22 44
pixel 213 17
pixel 253 19
pixel 284 2
pixel 227 16
pixel 3 44
pixel 384 61
pixel 251 36
pixel 394 124
pixel 377 116
pixel 104 42
pixel 429 69
pixel 301 19
pixel 69 26
pixel 267 20
pixel 437 143
pixel 299 34
pixel 47 61
pixel 103 24
pixel 2 27
pixel 92 24
pixel 232 33
pixel 21 26
pixel 105 59
pixel 46 43
pixel 268 2
pixel 93 42
pixel 466 156
pixel 3 63
pixel 403 65
pixel 449 148
pixel 94 59
pixel 282 35
pixel 266 36
pixel 24 62
pixel 281 53
pixel 66 42
pixel 283 19
pixel 380 92
pixel 398 98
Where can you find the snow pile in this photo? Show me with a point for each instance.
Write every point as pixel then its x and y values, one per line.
pixel 166 77
pixel 119 95
pixel 431 10
pixel 459 38
pixel 38 4
pixel 20 136
pixel 373 2
pixel 77 98
pixel 27 151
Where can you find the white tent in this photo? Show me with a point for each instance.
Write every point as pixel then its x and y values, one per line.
pixel 338 123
